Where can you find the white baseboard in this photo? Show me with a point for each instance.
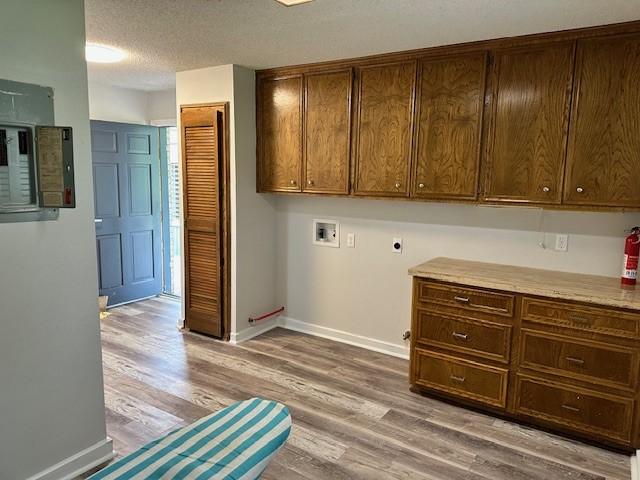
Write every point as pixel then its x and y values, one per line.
pixel 259 329
pixel 79 463
pixel 369 343
pixel 635 466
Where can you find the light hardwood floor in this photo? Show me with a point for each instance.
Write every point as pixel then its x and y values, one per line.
pixel 353 414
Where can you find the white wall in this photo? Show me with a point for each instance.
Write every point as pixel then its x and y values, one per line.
pixel 125 105
pixel 253 216
pixel 51 393
pixel 162 107
pixel 115 104
pixel 366 291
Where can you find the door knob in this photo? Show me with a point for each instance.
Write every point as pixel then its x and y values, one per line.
pixel 546 189
pixel 579 190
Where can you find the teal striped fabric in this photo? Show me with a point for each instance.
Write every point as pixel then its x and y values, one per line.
pixel 236 443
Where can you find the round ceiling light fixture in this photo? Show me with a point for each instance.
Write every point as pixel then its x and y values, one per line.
pixel 103 54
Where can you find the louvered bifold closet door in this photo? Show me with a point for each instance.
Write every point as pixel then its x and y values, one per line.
pixel 201 150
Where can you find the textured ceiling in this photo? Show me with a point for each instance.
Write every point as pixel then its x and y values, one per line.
pixel 166 36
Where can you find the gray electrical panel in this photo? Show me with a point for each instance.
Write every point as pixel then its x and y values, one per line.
pixel 36 159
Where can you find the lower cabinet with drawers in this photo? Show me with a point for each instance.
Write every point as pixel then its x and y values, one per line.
pixel 569 366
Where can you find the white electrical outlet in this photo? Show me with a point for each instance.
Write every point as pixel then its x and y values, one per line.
pixel 396 245
pixel 562 242
pixel 351 240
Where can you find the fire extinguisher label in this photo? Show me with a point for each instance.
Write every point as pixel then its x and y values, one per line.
pixel 630 268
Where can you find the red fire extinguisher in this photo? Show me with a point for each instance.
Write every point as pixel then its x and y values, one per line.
pixel 631 253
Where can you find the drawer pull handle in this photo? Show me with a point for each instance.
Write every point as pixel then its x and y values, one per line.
pixel 577 361
pixel 456 378
pixel 461 336
pixel 461 299
pixel 579 319
pixel 571 408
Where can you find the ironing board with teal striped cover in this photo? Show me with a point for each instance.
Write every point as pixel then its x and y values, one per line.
pixel 235 443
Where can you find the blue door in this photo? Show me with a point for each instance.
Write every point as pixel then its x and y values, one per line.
pixel 126 185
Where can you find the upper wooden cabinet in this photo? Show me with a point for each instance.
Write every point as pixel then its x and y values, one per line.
pixel 327 126
pixel 384 129
pixel 549 120
pixel 449 120
pixel 280 134
pixel 528 134
pixel 603 164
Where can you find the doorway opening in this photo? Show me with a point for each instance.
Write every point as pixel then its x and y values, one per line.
pixel 171 223
pixel 128 220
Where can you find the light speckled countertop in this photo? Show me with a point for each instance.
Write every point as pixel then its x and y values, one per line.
pixel 546 283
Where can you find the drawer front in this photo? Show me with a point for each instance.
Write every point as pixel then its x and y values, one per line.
pixel 584 360
pixel 463 378
pixel 577 409
pixel 466 298
pixel 592 319
pixel 473 337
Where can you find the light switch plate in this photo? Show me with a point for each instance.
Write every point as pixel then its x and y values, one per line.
pixel 351 240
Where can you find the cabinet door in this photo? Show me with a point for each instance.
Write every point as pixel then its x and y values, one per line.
pixel 603 164
pixel 280 134
pixel 527 143
pixel 384 129
pixel 450 103
pixel 327 132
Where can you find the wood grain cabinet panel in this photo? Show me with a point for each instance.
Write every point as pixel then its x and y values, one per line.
pixel 470 380
pixel 464 335
pixel 466 298
pixel 575 408
pixel 384 129
pixel 327 132
pixel 580 359
pixel 449 119
pixel 527 144
pixel 581 317
pixel 603 165
pixel 280 134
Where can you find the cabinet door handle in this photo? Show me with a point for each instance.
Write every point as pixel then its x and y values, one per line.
pixel 461 299
pixel 461 336
pixel 421 185
pixel 546 189
pixel 573 318
pixel 571 408
pixel 579 189
pixel 577 361
pixel 310 182
pixel 456 378
pixel 292 182
pixel 397 185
